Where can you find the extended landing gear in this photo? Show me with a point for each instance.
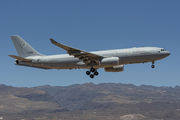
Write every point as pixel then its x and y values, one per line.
pixel 153 66
pixel 94 72
pixel 88 72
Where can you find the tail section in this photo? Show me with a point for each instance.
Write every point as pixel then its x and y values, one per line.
pixel 23 48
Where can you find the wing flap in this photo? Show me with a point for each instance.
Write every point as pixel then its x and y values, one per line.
pixel 86 57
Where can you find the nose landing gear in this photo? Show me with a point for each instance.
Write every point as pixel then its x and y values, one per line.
pixel 94 72
pixel 153 66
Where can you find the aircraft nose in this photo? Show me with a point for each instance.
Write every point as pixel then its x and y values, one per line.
pixel 168 53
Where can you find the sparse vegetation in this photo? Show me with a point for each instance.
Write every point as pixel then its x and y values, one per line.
pixel 90 101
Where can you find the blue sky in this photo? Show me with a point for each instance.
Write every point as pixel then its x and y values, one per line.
pixel 91 25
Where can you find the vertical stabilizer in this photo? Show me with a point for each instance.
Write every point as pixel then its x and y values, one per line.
pixel 23 48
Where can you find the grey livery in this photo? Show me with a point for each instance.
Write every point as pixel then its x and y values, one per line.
pixel 110 60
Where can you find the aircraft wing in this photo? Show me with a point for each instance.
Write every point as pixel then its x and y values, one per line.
pixel 86 57
pixel 20 58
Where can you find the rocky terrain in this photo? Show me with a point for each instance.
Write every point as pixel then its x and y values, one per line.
pixel 26 101
pixel 90 101
pixel 90 96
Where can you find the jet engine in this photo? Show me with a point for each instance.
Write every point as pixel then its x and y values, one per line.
pixel 112 61
pixel 16 62
pixel 119 68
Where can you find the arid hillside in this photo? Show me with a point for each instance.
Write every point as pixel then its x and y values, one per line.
pixel 89 101
pixel 90 96
pixel 26 101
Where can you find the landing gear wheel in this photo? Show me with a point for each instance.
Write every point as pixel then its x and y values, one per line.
pixel 91 76
pixel 92 72
pixel 153 66
pixel 87 72
pixel 96 73
pixel 92 69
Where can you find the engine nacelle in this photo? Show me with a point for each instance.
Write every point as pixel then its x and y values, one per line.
pixel 107 62
pixel 114 68
pixel 16 62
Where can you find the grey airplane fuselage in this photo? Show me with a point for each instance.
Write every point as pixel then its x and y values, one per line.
pixel 126 56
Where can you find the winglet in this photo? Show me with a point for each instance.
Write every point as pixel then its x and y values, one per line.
pixel 19 58
pixel 53 41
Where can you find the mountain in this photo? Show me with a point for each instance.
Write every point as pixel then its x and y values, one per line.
pixel 117 101
pixel 26 101
pixel 90 101
pixel 91 96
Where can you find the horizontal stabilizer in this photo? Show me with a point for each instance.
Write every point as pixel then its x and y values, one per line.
pixel 26 65
pixel 19 58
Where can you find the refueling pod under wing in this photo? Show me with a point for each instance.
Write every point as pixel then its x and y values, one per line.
pixel 119 68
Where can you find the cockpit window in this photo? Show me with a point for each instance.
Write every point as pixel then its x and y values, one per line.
pixel 163 50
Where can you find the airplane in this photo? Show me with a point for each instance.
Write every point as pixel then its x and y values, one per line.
pixel 110 60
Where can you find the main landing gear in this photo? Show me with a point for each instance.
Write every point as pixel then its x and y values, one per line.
pixel 94 72
pixel 153 66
